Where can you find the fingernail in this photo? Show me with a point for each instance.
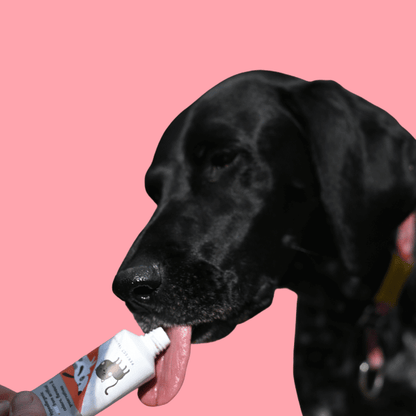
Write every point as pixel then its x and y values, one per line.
pixel 4 407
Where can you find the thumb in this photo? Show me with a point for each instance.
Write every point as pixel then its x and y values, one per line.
pixel 27 403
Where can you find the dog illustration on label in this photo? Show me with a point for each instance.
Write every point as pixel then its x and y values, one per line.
pixel 81 372
pixel 108 369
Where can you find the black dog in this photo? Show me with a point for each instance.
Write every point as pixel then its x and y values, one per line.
pixel 269 181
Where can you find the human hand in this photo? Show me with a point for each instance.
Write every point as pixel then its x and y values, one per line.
pixel 24 403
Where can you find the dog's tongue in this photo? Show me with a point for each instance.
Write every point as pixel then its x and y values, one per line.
pixel 170 368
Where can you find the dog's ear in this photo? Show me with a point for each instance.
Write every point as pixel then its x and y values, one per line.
pixel 366 168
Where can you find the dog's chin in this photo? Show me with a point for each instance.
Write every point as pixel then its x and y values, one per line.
pixel 211 331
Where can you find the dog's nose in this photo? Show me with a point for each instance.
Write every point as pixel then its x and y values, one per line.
pixel 137 283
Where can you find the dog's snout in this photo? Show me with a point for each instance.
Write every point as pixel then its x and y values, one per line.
pixel 137 283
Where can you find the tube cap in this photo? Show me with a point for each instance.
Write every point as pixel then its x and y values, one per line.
pixel 159 338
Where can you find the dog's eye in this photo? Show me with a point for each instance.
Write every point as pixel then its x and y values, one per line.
pixel 223 158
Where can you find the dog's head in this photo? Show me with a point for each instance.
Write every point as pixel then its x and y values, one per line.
pixel 259 168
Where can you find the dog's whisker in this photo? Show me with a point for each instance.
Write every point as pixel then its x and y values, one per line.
pixel 289 241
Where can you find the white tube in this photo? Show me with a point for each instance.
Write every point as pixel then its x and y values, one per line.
pixel 103 376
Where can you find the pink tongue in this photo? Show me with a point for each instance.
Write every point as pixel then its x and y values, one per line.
pixel 170 368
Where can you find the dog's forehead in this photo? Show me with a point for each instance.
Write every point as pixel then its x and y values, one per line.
pixel 235 99
pixel 236 104
pixel 231 110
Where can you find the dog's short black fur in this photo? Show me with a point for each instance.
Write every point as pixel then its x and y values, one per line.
pixel 269 181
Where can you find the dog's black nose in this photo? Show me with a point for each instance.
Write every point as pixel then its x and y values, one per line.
pixel 137 283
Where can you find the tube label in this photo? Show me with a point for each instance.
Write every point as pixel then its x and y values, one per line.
pixel 64 394
pixel 98 379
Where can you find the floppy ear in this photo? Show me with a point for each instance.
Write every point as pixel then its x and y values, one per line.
pixel 366 167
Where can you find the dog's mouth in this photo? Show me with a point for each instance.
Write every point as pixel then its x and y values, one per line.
pixel 171 365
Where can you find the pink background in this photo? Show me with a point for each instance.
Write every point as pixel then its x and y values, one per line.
pixel 86 90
